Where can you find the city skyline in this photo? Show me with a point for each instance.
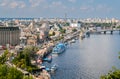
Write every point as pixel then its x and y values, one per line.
pixel 58 8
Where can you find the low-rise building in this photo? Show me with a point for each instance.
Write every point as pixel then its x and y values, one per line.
pixel 75 24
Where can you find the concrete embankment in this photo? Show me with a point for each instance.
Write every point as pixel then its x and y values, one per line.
pixel 47 47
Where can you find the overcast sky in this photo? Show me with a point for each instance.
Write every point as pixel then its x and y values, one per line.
pixel 58 8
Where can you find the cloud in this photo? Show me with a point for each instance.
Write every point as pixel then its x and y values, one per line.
pixel 72 1
pixel 58 3
pixel 83 8
pixel 54 7
pixel 35 3
pixel 87 8
pixel 3 4
pixel 90 1
pixel 17 4
pixel 12 4
pixel 22 4
pixel 97 8
pixel 103 7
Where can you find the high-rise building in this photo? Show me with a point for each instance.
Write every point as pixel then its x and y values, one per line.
pixel 9 35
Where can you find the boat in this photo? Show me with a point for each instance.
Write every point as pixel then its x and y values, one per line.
pixel 59 48
pixel 53 68
pixel 82 35
pixel 48 69
pixel 73 41
pixel 66 43
pixel 76 38
pixel 48 59
pixel 87 34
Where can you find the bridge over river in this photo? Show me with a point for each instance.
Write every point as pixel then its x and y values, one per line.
pixel 107 30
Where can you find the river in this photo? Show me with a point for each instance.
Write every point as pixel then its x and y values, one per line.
pixel 88 58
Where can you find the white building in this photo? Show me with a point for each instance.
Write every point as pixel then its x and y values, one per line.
pixel 76 25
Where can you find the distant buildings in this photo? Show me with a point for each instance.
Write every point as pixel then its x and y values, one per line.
pixel 75 24
pixel 37 31
pixel 99 20
pixel 9 35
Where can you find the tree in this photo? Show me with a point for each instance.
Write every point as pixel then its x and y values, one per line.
pixel 62 31
pixel 27 60
pixel 74 30
pixel 23 59
pixel 67 24
pixel 4 57
pixel 118 27
pixel 14 74
pixel 28 77
pixel 3 71
pixel 114 74
pixel 10 73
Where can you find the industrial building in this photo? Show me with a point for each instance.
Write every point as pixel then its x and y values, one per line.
pixel 9 35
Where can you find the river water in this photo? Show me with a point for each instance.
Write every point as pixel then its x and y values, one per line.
pixel 88 58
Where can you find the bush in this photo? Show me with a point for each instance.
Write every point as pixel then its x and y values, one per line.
pixel 74 30
pixel 23 60
pixel 10 73
pixel 114 74
pixel 28 77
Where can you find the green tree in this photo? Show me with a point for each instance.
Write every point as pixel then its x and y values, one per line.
pixel 10 73
pixel 4 57
pixel 62 31
pixel 67 24
pixel 113 74
pixel 118 27
pixel 74 30
pixel 27 60
pixel 23 59
pixel 14 74
pixel 3 71
pixel 28 77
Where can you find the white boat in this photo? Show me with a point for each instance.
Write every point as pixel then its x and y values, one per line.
pixel 54 68
pixel 73 41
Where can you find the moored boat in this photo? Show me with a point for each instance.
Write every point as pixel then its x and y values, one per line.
pixel 73 41
pixel 87 34
pixel 48 59
pixel 59 48
pixel 53 68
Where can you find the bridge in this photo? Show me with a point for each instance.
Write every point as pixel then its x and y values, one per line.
pixel 107 30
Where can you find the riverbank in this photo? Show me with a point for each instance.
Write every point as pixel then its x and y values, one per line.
pixel 46 48
pixel 89 58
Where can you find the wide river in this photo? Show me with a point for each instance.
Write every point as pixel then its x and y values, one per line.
pixel 88 58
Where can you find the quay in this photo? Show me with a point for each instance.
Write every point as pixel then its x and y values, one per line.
pixel 47 47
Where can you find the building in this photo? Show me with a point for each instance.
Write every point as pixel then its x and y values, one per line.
pixel 44 31
pixel 9 35
pixel 75 24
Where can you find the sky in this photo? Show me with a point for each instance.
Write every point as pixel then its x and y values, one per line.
pixel 58 8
